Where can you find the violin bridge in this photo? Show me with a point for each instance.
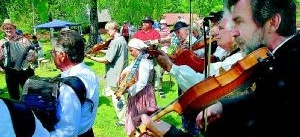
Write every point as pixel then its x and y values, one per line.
pixel 221 70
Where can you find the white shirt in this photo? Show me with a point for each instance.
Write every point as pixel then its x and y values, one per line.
pixel 186 77
pixel 220 53
pixel 6 125
pixel 145 67
pixel 74 118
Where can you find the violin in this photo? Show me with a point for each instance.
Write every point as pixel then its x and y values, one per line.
pixel 184 56
pixel 97 47
pixel 200 44
pixel 211 89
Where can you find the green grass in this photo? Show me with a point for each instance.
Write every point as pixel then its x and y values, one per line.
pixel 106 118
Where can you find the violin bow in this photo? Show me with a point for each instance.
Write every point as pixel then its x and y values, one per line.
pixel 207 53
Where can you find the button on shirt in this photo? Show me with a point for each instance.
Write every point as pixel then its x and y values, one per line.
pixel 74 118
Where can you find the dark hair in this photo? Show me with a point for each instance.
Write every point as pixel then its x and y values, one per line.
pixel 263 10
pixel 34 37
pixel 19 32
pixel 73 44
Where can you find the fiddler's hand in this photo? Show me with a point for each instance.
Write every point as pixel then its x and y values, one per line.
pixel 164 61
pixel 147 110
pixel 213 113
pixel 154 128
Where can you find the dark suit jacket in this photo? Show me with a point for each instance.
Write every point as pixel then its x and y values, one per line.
pixel 272 109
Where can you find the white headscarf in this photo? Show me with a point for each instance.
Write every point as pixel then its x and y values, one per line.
pixel 137 43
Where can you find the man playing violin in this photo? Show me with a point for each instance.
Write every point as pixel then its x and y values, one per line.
pixel 115 60
pixel 271 23
pixel 186 76
pixel 224 40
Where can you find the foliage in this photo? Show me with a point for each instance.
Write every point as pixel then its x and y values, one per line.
pixel 28 13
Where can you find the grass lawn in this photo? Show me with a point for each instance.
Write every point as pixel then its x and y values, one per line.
pixel 106 118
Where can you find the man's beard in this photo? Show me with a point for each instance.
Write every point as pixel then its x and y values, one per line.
pixel 254 43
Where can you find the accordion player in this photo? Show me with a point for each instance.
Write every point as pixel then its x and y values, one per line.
pixel 16 55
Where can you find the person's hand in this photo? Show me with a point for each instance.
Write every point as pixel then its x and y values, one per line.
pixel 32 56
pixel 164 61
pixel 213 113
pixel 123 75
pixel 154 128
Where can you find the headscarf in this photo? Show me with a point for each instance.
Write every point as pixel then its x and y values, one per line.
pixel 137 44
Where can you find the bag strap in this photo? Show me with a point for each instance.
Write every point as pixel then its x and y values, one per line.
pixel 79 88
pixel 77 85
pixel 22 118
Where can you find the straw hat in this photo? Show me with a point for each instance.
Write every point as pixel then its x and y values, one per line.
pixel 7 22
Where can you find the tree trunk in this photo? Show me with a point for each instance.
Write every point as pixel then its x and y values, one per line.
pixel 94 23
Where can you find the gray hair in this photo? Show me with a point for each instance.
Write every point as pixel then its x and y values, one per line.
pixel 263 10
pixel 72 43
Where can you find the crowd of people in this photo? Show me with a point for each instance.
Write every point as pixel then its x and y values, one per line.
pixel 250 114
pixel 74 118
pixel 240 29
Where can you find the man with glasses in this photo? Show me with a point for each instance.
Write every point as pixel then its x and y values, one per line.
pixel 182 33
pixel 74 118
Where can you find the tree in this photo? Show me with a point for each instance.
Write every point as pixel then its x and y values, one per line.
pixel 93 23
pixel 32 12
pixel 3 9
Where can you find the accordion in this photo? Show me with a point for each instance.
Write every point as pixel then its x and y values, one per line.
pixel 15 54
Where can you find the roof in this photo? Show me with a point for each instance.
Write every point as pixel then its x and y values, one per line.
pixel 172 18
pixel 57 24
pixel 104 16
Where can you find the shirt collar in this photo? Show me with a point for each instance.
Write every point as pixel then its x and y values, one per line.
pixel 282 43
pixel 69 71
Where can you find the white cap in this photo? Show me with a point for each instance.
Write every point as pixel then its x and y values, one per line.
pixel 137 43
